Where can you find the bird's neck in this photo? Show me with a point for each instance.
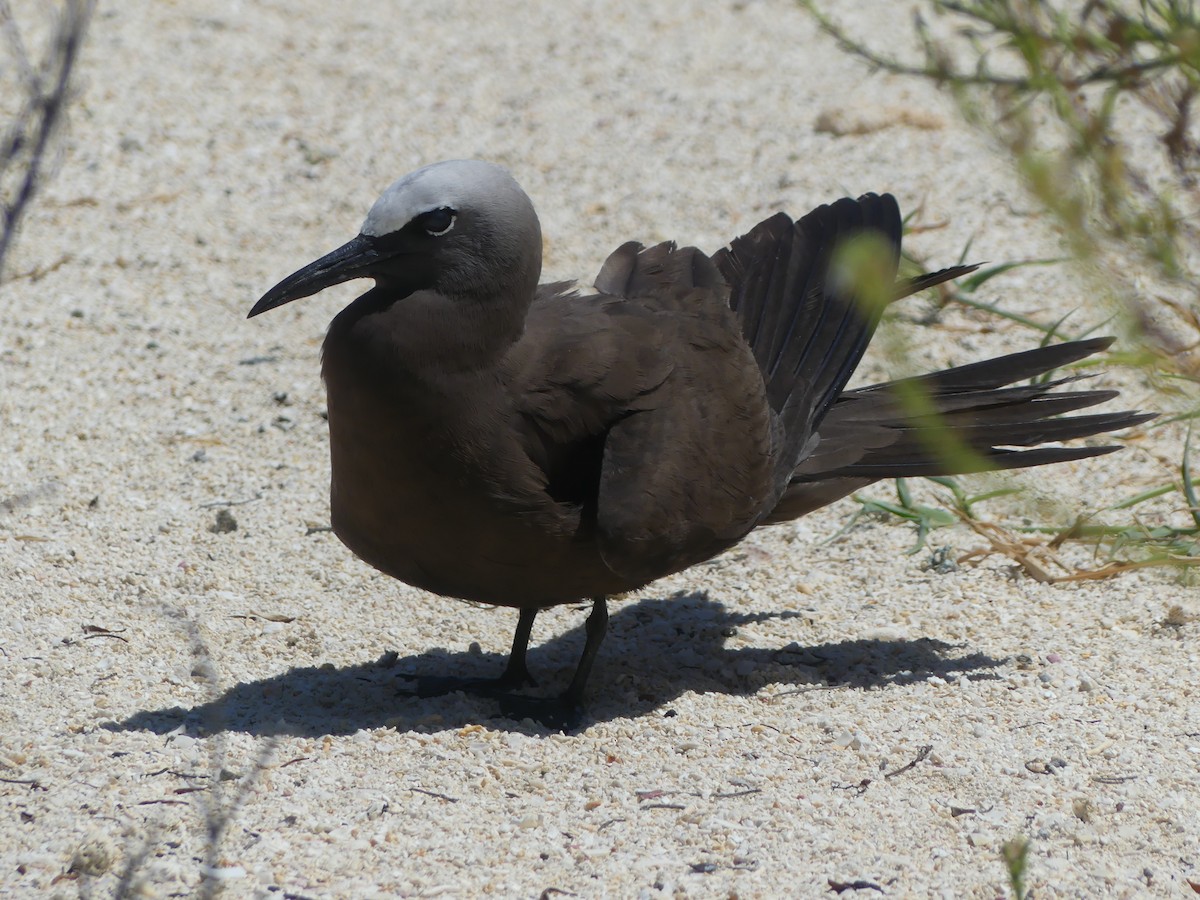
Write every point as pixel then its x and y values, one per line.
pixel 422 337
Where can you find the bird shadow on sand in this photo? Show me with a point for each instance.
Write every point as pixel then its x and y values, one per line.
pixel 656 650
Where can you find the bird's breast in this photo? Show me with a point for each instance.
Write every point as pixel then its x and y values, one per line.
pixel 430 484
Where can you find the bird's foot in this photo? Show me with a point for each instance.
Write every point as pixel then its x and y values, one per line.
pixel 439 685
pixel 563 713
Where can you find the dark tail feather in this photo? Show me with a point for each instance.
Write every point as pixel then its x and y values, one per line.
pixel 868 434
pixel 983 448
pixel 1002 370
pixel 912 286
pixel 806 331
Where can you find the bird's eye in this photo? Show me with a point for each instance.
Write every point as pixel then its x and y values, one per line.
pixel 437 222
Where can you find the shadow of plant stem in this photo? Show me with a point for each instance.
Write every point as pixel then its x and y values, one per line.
pixel 226 790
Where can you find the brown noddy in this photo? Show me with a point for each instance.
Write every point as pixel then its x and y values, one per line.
pixel 523 444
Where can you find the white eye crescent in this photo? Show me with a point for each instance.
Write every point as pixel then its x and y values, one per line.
pixel 437 222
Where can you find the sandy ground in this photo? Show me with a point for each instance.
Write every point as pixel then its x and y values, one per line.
pixel 758 725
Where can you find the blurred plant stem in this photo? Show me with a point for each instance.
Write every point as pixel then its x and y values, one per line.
pixel 1092 100
pixel 40 92
pixel 1056 86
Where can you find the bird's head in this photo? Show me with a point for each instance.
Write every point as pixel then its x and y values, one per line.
pixel 463 228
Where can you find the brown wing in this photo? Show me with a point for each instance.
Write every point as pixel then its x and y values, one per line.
pixel 583 364
pixel 803 313
pixel 647 412
pixel 684 479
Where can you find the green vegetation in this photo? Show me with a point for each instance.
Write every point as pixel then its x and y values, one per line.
pixel 1070 91
pixel 1016 858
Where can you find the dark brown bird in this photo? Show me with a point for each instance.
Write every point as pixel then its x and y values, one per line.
pixel 502 441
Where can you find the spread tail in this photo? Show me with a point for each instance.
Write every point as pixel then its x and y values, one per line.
pixel 966 419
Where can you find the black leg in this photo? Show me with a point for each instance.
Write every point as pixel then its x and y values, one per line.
pixel 596 628
pixel 515 674
pixel 565 712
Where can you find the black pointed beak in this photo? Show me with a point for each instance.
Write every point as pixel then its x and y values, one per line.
pixel 356 259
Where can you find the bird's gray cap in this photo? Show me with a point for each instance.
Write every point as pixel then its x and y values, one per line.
pixel 454 184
